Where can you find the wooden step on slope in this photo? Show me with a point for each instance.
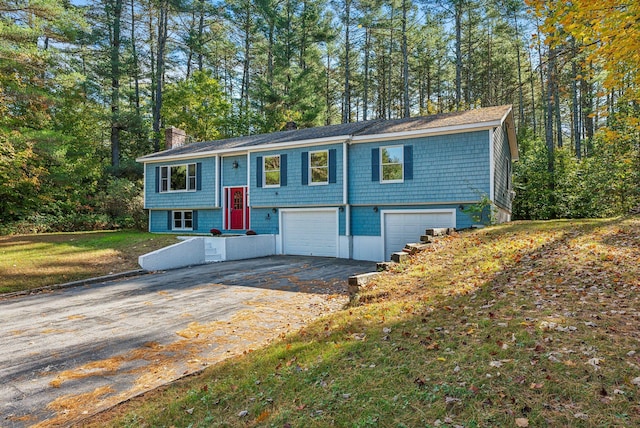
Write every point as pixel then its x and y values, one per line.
pixel 400 257
pixel 442 231
pixel 382 266
pixel 416 247
pixel 426 239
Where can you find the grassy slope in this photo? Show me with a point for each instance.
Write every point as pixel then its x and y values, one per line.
pixel 33 261
pixel 528 324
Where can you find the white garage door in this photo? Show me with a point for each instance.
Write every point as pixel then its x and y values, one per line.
pixel 310 233
pixel 401 228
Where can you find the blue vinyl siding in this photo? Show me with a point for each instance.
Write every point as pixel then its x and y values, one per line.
pixel 264 221
pixel 445 168
pixel 234 176
pixel 295 194
pixel 502 158
pixel 206 219
pixel 203 198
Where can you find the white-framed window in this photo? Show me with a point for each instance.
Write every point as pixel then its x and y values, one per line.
pixel 271 171
pixel 392 164
pixel 178 178
pixel 182 220
pixel 319 167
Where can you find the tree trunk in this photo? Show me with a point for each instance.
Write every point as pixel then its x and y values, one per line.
pixel 458 19
pixel 162 41
pixel 520 95
pixel 390 76
pixel 365 101
pixel 136 65
pixel 191 44
pixel 556 99
pixel 549 111
pixel 533 97
pixel 116 14
pixel 346 108
pixel 201 35
pixel 543 95
pixel 405 62
pixel 574 101
pixel 244 90
pixel 328 90
pixel 587 109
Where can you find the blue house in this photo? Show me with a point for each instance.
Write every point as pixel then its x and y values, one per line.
pixel 357 190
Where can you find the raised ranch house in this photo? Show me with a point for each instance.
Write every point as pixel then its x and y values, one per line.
pixel 357 190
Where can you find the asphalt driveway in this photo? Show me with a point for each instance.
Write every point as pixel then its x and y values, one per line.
pixel 70 353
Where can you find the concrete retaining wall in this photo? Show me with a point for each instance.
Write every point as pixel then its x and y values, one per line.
pixel 199 250
pixel 249 247
pixel 185 253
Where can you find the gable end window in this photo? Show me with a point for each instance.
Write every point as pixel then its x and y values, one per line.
pixel 271 171
pixel 179 178
pixel 392 164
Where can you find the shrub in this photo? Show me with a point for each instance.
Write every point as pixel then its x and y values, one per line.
pixel 215 232
pixel 122 200
pixel 251 232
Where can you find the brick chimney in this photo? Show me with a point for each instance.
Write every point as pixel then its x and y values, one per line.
pixel 174 137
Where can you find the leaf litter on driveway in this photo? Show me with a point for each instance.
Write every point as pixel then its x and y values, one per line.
pixel 202 335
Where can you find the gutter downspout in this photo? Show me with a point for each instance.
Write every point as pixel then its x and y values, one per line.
pixel 345 192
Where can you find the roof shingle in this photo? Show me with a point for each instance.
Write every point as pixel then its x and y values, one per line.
pixel 369 128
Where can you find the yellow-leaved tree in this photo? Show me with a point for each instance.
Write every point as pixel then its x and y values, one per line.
pixel 608 32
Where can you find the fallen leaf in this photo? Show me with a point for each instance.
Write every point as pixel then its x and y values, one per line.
pixel 452 400
pixel 243 413
pixel 522 422
pixel 264 415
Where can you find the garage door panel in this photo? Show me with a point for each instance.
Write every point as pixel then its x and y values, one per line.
pixel 402 227
pixel 310 233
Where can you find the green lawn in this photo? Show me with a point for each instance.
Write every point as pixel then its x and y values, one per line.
pixel 525 324
pixel 32 261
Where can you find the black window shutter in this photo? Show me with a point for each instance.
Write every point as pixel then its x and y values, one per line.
pixel 157 179
pixel 170 220
pixel 259 171
pixel 283 170
pixel 305 168
pixel 408 162
pixel 332 166
pixel 195 219
pixel 375 164
pixel 199 176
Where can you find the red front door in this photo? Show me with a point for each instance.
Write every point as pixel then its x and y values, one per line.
pixel 237 208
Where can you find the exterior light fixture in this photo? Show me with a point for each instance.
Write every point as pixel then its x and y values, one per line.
pixel 235 164
pixel 375 209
